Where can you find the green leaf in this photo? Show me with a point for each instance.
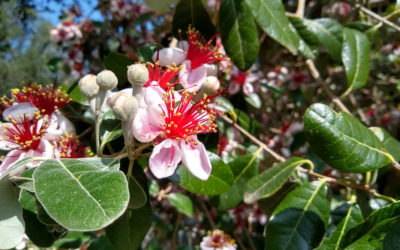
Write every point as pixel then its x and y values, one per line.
pixel 110 129
pixel 391 145
pixel 118 63
pixel 93 195
pixel 249 124
pixel 101 243
pixel 270 15
pixel 192 12
pixel 159 5
pixel 19 166
pixel 222 104
pixel 308 45
pixel 243 168
pixel 342 141
pixel 300 220
pixel 384 235
pixel 330 35
pixel 271 180
pixel 352 218
pixel 76 95
pixel 12 226
pixel 355 57
pixel 138 196
pixel 254 100
pixel 220 180
pixel 182 203
pixel 128 231
pixel 383 214
pixel 146 52
pixel 239 33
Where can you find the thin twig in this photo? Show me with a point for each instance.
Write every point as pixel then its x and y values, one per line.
pixel 84 133
pixel 301 5
pixel 376 16
pixel 206 212
pixel 177 224
pixel 254 139
pixel 315 73
pixel 359 110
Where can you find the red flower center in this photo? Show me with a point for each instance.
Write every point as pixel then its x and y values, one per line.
pixel 164 77
pixel 46 98
pixel 69 147
pixel 183 119
pixel 200 52
pixel 25 132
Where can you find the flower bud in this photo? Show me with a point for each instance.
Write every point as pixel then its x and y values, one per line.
pixel 138 74
pixel 106 79
pixel 209 87
pixel 88 86
pixel 123 105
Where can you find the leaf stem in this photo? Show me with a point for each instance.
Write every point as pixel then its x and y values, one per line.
pixel 207 213
pixel 376 16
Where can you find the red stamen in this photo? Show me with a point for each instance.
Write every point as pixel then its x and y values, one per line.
pixel 200 52
pixel 46 98
pixel 183 119
pixel 25 131
pixel 69 147
pixel 164 77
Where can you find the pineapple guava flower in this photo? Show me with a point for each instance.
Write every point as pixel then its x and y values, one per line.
pixel 68 147
pixel 172 122
pixel 196 56
pixel 23 137
pixel 48 100
pixel 64 32
pixel 217 240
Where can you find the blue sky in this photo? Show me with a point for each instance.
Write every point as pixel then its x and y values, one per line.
pixel 87 8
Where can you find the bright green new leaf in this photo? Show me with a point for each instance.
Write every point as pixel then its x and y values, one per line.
pixel 81 196
pixel 300 220
pixel 270 15
pixel 271 180
pixel 352 218
pixel 355 57
pixel 12 225
pixel 342 141
pixel 182 203
pixel 220 180
pixel 239 33
pixel 330 35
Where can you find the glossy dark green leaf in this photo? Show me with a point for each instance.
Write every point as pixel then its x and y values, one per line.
pixel 137 195
pixel 223 104
pixel 192 12
pixel 128 231
pixel 146 52
pixel 270 15
pixel 383 214
pixel 384 235
pixel 239 33
pixel 391 145
pixel 342 141
pixel 220 180
pixel 300 220
pixel 268 205
pixel 118 63
pixel 93 195
pixel 101 243
pixel 355 57
pixel 308 45
pixel 12 225
pixel 352 218
pixel 271 180
pixel 249 124
pixel 243 168
pixel 182 203
pixel 330 35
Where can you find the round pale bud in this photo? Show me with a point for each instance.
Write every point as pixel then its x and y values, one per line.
pixel 210 85
pixel 138 74
pixel 106 79
pixel 169 56
pixel 131 106
pixel 123 105
pixel 88 86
